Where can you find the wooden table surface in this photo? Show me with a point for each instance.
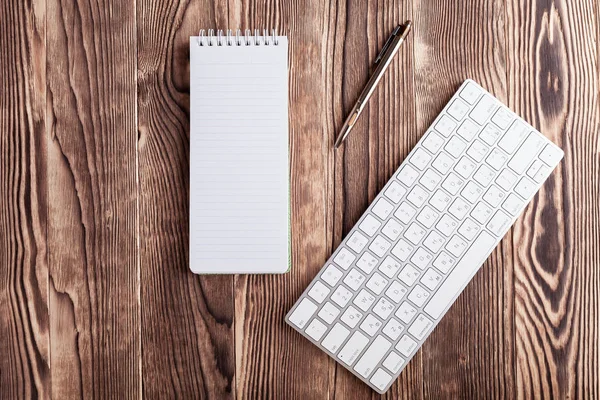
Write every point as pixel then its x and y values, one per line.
pixel 96 299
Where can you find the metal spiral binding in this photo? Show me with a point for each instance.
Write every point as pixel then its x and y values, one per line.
pixel 229 39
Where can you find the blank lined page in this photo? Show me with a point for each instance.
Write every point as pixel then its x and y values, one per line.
pixel 239 179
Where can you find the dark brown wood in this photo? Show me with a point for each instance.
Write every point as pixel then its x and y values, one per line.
pixel 553 82
pixel 96 298
pixel 187 320
pixel 92 194
pixel 24 322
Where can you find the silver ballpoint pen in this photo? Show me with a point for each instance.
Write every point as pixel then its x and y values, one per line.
pixel 383 60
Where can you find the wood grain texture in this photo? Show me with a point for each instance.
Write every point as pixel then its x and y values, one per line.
pixel 92 219
pixel 553 83
pixel 96 298
pixel 470 354
pixel 24 336
pixel 187 321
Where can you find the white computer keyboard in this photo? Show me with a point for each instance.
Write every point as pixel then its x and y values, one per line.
pixel 424 236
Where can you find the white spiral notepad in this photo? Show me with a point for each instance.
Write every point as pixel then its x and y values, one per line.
pixel 239 172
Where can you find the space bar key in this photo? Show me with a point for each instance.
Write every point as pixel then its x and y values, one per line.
pixel 461 275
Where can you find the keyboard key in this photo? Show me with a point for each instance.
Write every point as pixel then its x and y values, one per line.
pixel 414 233
pixel 484 109
pixel 402 250
pixel 489 134
pixel 525 188
pixel 392 229
pixel 420 158
pixel 405 212
pixel 542 173
pixel 389 267
pixel 418 296
pixel 408 175
pixel 319 292
pixel 444 262
pixel 430 180
pixel 534 168
pixel 396 292
pixel 417 196
pixel 455 147
pixel 434 241
pixel 551 155
pixel 406 312
pixel 431 279
pixel 443 163
pixel 369 225
pixel 477 151
pixel 357 241
pixel 380 246
pixel 503 118
pixel 471 192
pixel 513 204
pixel 496 159
pixel 465 167
pixel 440 200
pixel 351 317
pixel 421 258
pixel 341 296
pixel 316 329
pixel 459 208
pixel 406 345
pixel 482 212
pixel 433 142
pixel 331 275
pixel 470 93
pixel 526 153
pixel 364 300
pixel 335 338
pixel 513 137
pixel 374 354
pixel 469 229
pixel 420 327
pixel 303 313
pixel 395 192
pixel 446 225
pixel 458 109
pixel 465 269
pixel 381 379
pixel 328 313
pixel 484 175
pixel 393 329
pixel 453 183
pixel 506 179
pixel 445 125
pixel 467 130
pixel 427 216
pixel 344 258
pixel 393 362
pixel 367 262
pixel 456 246
pixel 499 223
pixel 383 308
pixel 382 208
pixel 354 279
pixel 409 275
pixel 356 344
pixel 370 325
pixel 494 196
pixel 377 283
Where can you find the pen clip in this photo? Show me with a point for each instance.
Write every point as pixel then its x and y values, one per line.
pixel 387 44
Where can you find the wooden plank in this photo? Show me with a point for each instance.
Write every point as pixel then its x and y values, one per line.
pixel 553 83
pixel 187 320
pixel 92 221
pixel 470 354
pixel 24 364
